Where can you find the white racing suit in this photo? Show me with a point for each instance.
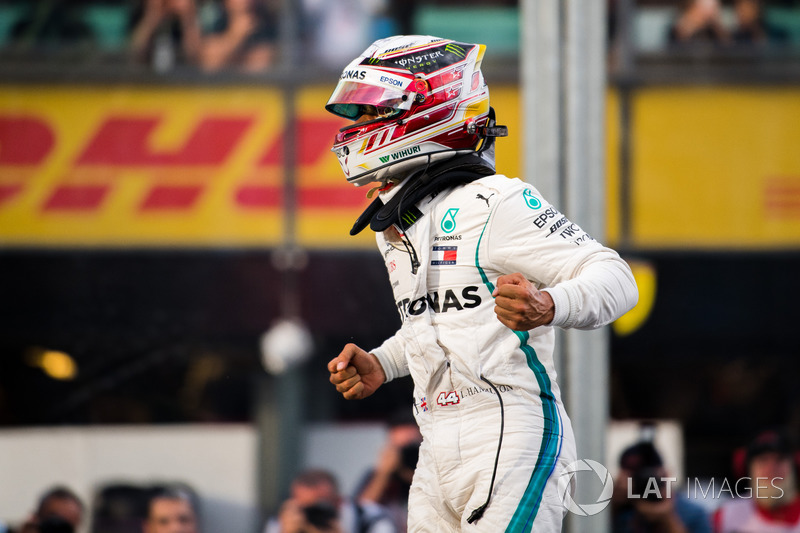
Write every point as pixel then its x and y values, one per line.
pixel 460 355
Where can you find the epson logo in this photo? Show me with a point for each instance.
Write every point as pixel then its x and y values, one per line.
pixel 391 81
pixel 354 74
pixel 542 219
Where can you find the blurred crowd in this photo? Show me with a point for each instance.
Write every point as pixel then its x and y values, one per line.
pixel 252 35
pixel 702 21
pixel 209 35
pixel 759 495
pixel 117 509
pixel 723 28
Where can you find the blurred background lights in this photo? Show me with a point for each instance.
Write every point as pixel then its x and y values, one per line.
pixel 57 365
pixel 646 280
pixel 286 344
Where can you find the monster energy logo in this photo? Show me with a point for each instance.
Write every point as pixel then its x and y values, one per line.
pixel 456 50
pixel 401 154
pixel 409 218
pixel 374 60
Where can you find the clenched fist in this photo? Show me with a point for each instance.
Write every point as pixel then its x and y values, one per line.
pixel 356 373
pixel 519 305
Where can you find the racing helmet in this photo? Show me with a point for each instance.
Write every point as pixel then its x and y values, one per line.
pixel 430 99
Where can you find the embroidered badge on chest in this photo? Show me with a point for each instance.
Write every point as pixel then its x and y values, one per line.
pixel 444 255
pixel 448 223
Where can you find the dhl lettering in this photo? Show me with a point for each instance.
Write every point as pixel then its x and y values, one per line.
pixel 331 197
pixel 76 198
pixel 7 192
pixel 162 197
pixel 259 197
pixel 271 197
pixel 314 138
pixel 125 142
pixel 24 140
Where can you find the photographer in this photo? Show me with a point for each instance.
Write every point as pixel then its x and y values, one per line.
pixel 315 506
pixel 171 510
pixel 59 511
pixel 645 501
pixel 389 482
pixel 774 502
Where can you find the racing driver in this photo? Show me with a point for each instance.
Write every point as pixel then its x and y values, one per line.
pixel 482 268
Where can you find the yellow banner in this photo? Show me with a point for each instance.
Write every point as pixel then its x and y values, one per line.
pixel 134 166
pixel 203 166
pixel 716 168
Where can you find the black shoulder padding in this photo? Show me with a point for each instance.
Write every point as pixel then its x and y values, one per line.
pixel 364 219
pixel 446 175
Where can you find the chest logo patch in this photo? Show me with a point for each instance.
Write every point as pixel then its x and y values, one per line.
pixel 530 200
pixel 448 223
pixel 444 255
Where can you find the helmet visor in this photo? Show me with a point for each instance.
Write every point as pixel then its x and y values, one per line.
pixel 388 94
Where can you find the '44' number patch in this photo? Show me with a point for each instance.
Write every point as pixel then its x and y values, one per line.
pixel 448 398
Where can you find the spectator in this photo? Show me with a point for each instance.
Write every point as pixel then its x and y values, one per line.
pixel 389 482
pixel 171 511
pixel 51 26
pixel 700 22
pixel 244 38
pixel 752 28
pixel 120 508
pixel 340 29
pixel 402 12
pixel 774 503
pixel 655 505
pixel 315 505
pixel 166 32
pixel 59 510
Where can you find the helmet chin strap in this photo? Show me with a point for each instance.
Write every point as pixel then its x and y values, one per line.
pixel 384 186
pixel 432 178
pixel 461 169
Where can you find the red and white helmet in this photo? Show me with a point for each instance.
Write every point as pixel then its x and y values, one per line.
pixel 430 98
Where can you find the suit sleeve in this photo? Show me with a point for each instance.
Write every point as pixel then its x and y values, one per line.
pixel 591 285
pixel 391 354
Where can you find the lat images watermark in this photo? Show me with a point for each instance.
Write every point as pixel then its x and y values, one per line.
pixel 658 487
pixel 745 487
pixel 566 482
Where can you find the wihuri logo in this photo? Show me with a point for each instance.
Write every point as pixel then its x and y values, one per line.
pixel 401 154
